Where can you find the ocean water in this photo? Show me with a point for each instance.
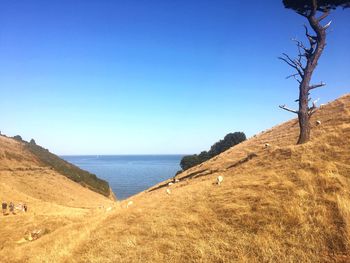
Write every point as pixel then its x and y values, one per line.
pixel 129 174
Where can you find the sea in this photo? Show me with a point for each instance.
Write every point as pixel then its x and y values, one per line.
pixel 128 174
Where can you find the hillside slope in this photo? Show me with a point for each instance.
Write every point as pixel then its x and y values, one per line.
pixel 54 202
pixel 281 203
pixel 23 150
pixel 290 203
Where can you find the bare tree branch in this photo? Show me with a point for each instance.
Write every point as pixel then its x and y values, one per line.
pixel 289 63
pixel 289 59
pixel 311 111
pixel 300 45
pixel 287 109
pixel 312 42
pixel 317 85
pixel 292 63
pixel 313 108
pixel 311 38
pixel 327 25
pixel 323 16
pixel 299 63
pixel 295 77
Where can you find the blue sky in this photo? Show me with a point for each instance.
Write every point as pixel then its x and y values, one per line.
pixel 149 77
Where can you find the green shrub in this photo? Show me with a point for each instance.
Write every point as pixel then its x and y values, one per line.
pixel 178 172
pixel 229 140
pixel 18 138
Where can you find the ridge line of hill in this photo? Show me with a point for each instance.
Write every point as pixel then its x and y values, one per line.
pixel 51 161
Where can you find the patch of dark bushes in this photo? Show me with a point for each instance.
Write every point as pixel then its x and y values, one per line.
pixel 18 138
pixel 229 140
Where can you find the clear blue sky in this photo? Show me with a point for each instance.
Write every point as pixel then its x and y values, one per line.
pixel 148 77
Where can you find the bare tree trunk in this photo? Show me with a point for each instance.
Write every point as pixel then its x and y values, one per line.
pixel 304 88
pixel 311 55
pixel 303 116
pixel 303 112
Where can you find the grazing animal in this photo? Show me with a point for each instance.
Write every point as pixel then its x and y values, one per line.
pixel 168 191
pixel 219 179
pixel 129 204
pixel 19 207
pixel 267 145
pixel 4 207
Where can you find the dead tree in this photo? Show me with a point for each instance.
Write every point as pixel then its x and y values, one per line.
pixel 315 11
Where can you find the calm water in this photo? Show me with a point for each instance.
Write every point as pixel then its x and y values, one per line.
pixel 129 174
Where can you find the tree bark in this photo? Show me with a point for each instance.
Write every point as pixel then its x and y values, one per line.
pixel 303 115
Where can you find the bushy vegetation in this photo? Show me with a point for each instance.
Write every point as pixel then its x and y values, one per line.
pixel 18 138
pixel 229 140
pixel 69 170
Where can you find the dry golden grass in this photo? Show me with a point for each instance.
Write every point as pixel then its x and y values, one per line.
pixel 13 155
pixel 55 203
pixel 290 203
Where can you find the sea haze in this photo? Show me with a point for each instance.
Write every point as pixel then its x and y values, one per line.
pixel 129 174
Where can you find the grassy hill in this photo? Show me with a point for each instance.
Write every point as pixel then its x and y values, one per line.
pixel 50 160
pixel 54 201
pixel 71 171
pixel 281 203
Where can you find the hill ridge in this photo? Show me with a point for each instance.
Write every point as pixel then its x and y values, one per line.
pixel 45 159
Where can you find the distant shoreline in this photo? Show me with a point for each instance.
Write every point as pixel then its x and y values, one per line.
pixel 129 174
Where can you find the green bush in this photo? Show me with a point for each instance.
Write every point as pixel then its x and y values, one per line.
pixel 229 140
pixel 18 138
